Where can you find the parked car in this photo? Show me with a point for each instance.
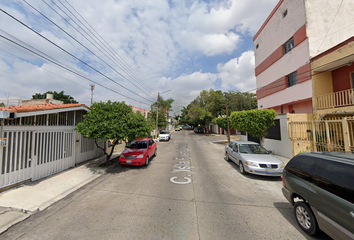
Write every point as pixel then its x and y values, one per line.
pixel 138 152
pixel 320 186
pixel 164 135
pixel 253 158
pixel 187 127
pixel 178 128
pixel 198 130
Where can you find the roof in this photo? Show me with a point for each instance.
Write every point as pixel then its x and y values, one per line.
pixel 43 107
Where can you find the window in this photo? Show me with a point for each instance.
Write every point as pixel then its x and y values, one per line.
pixel 257 46
pixel 337 178
pixel 285 13
pixel 352 78
pixel 289 45
pixel 291 79
pixel 302 166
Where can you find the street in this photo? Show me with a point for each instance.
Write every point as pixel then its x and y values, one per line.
pixel 189 191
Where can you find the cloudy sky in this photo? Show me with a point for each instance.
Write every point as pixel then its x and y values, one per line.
pixel 129 49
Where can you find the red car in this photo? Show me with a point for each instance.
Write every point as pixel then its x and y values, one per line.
pixel 138 152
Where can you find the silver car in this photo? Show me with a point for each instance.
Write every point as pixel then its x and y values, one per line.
pixel 253 158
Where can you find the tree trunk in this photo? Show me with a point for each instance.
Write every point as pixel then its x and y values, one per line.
pixel 261 141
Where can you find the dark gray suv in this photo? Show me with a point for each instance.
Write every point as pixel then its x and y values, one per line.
pixel 320 186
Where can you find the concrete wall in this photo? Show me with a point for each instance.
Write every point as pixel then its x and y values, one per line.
pixel 280 147
pixel 295 93
pixel 329 22
pixel 279 29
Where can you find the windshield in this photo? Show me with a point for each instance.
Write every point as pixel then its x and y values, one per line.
pixel 253 149
pixel 165 132
pixel 138 144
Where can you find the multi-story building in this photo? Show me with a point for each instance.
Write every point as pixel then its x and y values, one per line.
pixel 303 55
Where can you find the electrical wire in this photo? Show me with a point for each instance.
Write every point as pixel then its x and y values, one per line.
pixel 80 42
pixel 116 54
pixel 28 27
pixel 68 69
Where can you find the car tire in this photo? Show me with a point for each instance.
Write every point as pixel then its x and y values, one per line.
pixel 241 168
pixel 147 161
pixel 305 218
pixel 227 157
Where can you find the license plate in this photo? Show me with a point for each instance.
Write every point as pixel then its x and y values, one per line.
pixel 271 171
pixel 129 161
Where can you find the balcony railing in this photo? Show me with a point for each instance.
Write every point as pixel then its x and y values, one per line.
pixel 336 99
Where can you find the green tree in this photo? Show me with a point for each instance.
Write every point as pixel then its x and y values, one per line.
pixel 255 122
pixel 2 105
pixel 238 101
pixel 138 127
pixel 114 121
pixel 221 122
pixel 60 96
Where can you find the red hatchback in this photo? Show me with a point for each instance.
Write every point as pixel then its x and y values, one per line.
pixel 138 152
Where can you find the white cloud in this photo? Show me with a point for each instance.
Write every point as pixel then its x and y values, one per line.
pixel 158 39
pixel 238 73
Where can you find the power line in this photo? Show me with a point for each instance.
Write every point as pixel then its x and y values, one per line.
pixel 66 68
pixel 121 60
pixel 70 54
pixel 79 41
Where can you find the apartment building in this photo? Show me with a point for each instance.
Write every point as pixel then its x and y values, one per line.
pixel 303 63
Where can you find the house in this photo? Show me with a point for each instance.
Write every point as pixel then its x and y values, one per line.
pixel 303 55
pixel 144 112
pixel 41 140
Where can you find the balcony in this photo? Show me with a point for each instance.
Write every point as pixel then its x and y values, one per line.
pixel 335 99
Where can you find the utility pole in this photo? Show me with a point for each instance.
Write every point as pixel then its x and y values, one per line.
pixel 227 120
pixel 157 110
pixel 157 113
pixel 92 88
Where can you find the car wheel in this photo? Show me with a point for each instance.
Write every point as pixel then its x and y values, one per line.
pixel 305 218
pixel 147 161
pixel 241 168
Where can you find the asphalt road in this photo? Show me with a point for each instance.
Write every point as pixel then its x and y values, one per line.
pixel 189 191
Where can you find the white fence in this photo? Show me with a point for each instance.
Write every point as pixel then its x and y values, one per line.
pixel 34 154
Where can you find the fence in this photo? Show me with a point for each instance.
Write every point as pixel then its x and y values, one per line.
pixel 331 134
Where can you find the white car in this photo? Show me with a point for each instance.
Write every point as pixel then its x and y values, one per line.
pixel 164 135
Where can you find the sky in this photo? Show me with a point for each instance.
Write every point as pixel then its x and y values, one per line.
pixel 130 50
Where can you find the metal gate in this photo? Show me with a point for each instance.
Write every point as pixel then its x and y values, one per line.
pixel 35 154
pixel 335 134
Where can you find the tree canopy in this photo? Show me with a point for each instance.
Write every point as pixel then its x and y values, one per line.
pixel 114 121
pixel 221 122
pixel 255 122
pixel 57 96
pixel 165 106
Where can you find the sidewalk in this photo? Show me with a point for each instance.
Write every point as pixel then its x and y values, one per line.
pixel 19 203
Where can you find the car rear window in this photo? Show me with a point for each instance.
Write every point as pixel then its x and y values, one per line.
pixel 138 144
pixel 302 166
pixel 336 178
pixel 165 132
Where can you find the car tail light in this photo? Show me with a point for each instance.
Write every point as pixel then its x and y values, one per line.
pixel 282 178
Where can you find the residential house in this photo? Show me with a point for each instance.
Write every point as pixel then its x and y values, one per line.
pixel 40 140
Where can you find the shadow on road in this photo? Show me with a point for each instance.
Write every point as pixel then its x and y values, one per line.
pixel 286 209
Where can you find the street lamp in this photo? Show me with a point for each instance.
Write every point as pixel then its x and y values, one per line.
pixel 157 110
